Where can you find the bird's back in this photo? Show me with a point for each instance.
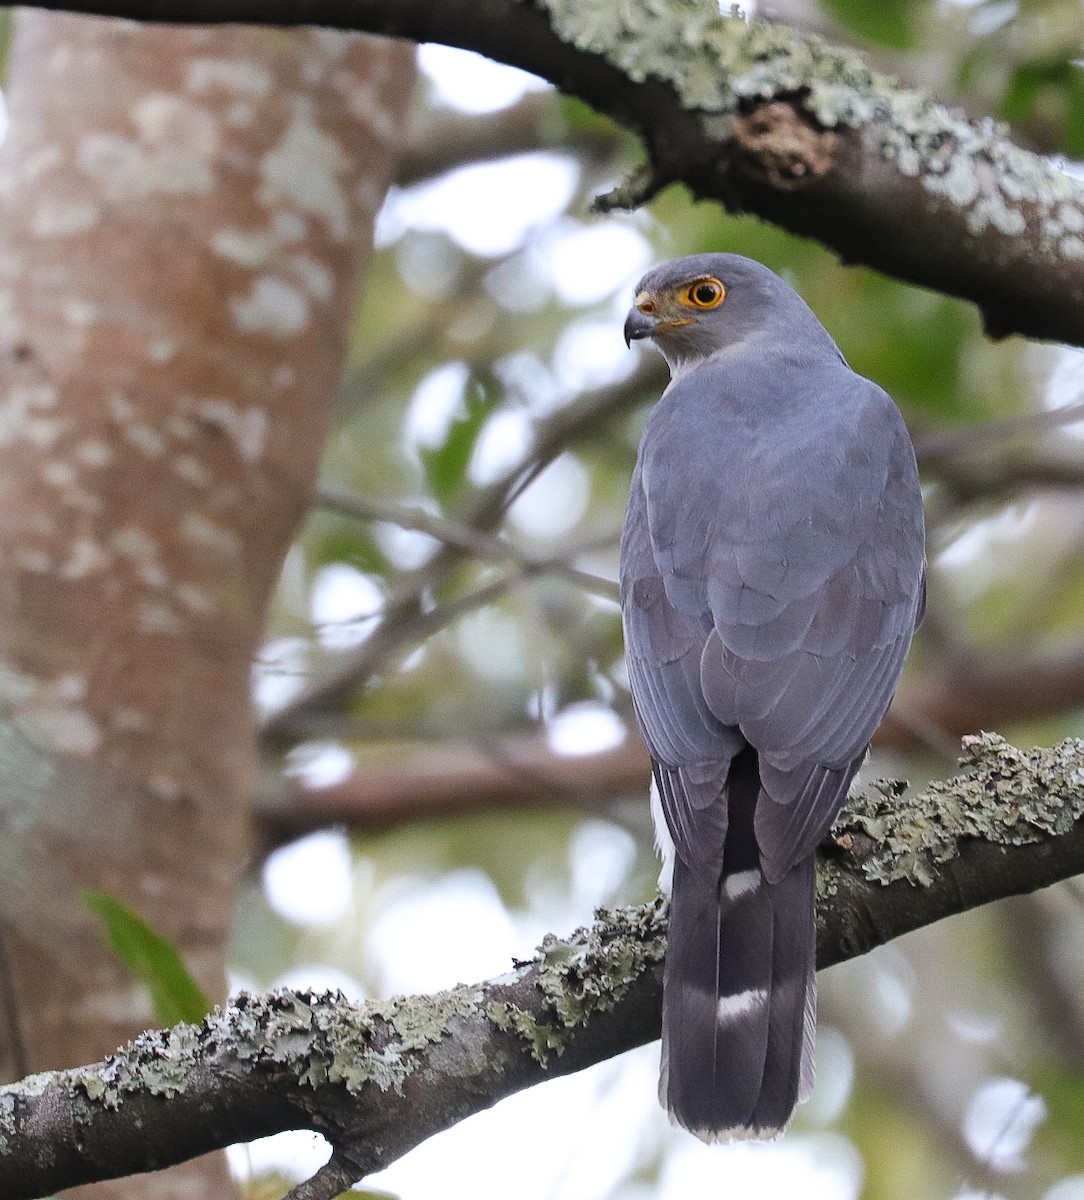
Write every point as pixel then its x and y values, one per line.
pixel 771 577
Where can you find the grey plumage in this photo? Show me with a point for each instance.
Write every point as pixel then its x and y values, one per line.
pixel 772 575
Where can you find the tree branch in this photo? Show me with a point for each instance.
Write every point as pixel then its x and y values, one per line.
pixel 413 779
pixel 973 692
pixel 771 121
pixel 451 777
pixel 376 1079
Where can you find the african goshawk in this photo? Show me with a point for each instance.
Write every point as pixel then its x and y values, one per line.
pixel 772 575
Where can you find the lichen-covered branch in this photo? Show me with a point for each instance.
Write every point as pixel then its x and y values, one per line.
pixel 379 1078
pixel 770 120
pixel 1010 823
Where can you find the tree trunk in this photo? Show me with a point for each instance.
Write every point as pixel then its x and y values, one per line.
pixel 183 214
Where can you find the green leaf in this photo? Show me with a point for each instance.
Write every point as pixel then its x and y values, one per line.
pixel 446 466
pixel 1041 83
pixel 151 959
pixel 889 24
pixel 1023 89
pixel 580 119
pixel 346 543
pixel 1074 112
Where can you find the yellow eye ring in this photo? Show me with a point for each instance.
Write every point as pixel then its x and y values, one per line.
pixel 704 293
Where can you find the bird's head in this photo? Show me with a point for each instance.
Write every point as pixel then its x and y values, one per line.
pixel 693 307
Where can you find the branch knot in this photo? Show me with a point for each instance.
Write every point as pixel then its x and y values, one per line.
pixel 781 146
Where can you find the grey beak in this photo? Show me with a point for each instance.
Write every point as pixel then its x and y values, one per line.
pixel 638 325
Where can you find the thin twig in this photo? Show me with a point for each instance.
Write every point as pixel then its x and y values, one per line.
pixel 473 541
pixel 331 1180
pixel 413 517
pixel 954 443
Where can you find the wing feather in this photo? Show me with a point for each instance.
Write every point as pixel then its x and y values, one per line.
pixel 772 578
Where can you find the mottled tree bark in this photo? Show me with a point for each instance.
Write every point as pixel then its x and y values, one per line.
pixel 183 215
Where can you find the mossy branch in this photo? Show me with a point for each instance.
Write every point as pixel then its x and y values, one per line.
pixel 768 120
pixel 376 1079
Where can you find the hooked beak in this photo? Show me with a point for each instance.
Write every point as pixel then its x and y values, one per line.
pixel 644 319
pixel 639 325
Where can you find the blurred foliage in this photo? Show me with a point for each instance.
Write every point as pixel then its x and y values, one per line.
pixel 1018 62
pixel 892 25
pixel 1054 83
pixel 460 364
pixel 6 17
pixel 446 465
pixel 1059 1143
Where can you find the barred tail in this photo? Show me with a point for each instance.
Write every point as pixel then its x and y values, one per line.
pixel 739 1000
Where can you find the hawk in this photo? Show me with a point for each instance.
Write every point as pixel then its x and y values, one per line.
pixel 772 576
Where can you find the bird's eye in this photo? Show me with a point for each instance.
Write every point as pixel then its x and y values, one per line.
pixel 705 293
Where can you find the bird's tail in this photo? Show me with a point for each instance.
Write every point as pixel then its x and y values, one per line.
pixel 739 1000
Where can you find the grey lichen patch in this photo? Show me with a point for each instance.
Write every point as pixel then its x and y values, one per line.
pixel 421 1021
pixel 305 171
pixel 326 1039
pixel 123 168
pixel 586 973
pixel 25 416
pixel 31 1086
pixel 241 76
pixel 717 65
pixel 715 62
pixel 60 728
pixel 59 217
pixel 322 1039
pixel 319 1039
pixel 1004 795
pixel 246 248
pixel 159 1063
pixel 216 540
